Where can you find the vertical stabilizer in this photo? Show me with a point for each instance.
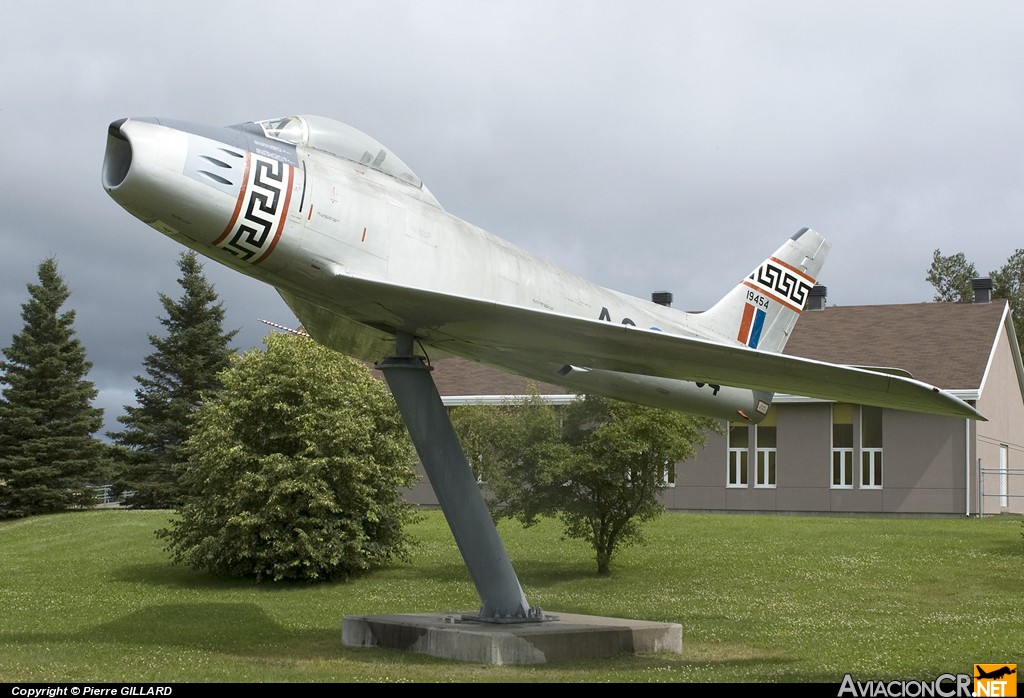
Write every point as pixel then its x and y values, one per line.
pixel 760 312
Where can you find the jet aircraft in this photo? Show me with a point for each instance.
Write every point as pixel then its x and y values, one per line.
pixel 999 673
pixel 361 251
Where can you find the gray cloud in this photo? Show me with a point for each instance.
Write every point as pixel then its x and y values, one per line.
pixel 647 146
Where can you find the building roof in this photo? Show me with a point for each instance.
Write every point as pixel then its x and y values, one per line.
pixel 944 344
pixel 463 377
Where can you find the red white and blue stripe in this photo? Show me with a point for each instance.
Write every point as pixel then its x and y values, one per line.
pixel 751 326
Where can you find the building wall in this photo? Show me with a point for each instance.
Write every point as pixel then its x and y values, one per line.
pixel 699 481
pixel 925 464
pixel 804 460
pixel 1002 403
pixel 923 469
pixel 421 493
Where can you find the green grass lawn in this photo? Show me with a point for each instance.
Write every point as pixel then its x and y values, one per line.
pixel 91 596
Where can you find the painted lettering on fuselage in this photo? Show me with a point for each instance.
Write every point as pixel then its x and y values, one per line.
pixel 607 317
pixel 757 299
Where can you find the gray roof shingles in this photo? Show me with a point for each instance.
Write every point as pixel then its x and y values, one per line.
pixel 943 344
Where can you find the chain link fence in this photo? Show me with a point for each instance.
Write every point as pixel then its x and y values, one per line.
pixel 1001 491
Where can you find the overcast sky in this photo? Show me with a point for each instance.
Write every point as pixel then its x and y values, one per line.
pixel 645 145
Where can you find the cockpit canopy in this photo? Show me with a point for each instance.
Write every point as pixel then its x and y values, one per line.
pixel 342 140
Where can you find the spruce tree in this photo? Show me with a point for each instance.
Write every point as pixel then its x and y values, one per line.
pixel 48 454
pixel 180 373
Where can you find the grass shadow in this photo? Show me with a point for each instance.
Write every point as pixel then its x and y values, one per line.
pixel 237 629
pixel 172 576
pixel 165 574
pixel 240 628
pixel 546 575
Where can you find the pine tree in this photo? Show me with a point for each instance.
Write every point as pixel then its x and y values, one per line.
pixel 47 450
pixel 179 374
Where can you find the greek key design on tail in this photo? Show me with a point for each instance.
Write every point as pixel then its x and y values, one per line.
pixel 761 310
pixel 261 210
pixel 785 284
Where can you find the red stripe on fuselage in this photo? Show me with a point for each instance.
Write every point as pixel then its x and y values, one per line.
pixel 793 269
pixel 748 317
pixel 238 204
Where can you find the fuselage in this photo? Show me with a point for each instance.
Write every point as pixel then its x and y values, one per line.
pixel 298 202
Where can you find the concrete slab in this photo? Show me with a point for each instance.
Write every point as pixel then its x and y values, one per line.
pixel 571 636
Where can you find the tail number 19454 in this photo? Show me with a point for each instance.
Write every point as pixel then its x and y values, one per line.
pixel 757 299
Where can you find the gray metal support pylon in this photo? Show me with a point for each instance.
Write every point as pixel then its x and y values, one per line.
pixel 456 487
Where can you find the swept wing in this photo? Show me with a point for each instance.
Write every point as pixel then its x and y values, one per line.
pixel 538 343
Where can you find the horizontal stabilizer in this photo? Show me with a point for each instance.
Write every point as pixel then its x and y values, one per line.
pixel 886 369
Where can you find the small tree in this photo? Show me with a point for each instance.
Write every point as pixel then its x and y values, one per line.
pixel 1008 283
pixel 598 466
pixel 512 446
pixel 951 276
pixel 181 371
pixel 47 450
pixel 293 471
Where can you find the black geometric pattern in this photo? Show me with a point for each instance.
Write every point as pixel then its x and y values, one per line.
pixel 783 282
pixel 262 211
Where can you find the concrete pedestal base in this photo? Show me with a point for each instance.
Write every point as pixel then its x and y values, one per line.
pixel 572 636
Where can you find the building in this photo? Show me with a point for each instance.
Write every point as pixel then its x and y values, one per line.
pixel 814 456
pixel 811 456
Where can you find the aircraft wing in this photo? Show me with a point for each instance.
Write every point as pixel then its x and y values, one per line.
pixel 359 317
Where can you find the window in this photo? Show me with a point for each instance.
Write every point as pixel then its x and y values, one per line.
pixel 1004 476
pixel 764 434
pixel 739 452
pixel 842 445
pixel 871 447
pixel 668 475
pixel 339 139
pixel 748 442
pixel 867 449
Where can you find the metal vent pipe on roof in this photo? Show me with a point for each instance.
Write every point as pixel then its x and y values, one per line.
pixel 982 288
pixel 662 298
pixel 816 298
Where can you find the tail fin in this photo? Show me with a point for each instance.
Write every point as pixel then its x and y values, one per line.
pixel 762 310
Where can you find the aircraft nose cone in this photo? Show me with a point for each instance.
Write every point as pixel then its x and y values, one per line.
pixel 118 157
pixel 142 168
pixel 168 176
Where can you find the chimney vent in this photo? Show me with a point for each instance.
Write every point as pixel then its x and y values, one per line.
pixel 816 298
pixel 982 288
pixel 662 298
